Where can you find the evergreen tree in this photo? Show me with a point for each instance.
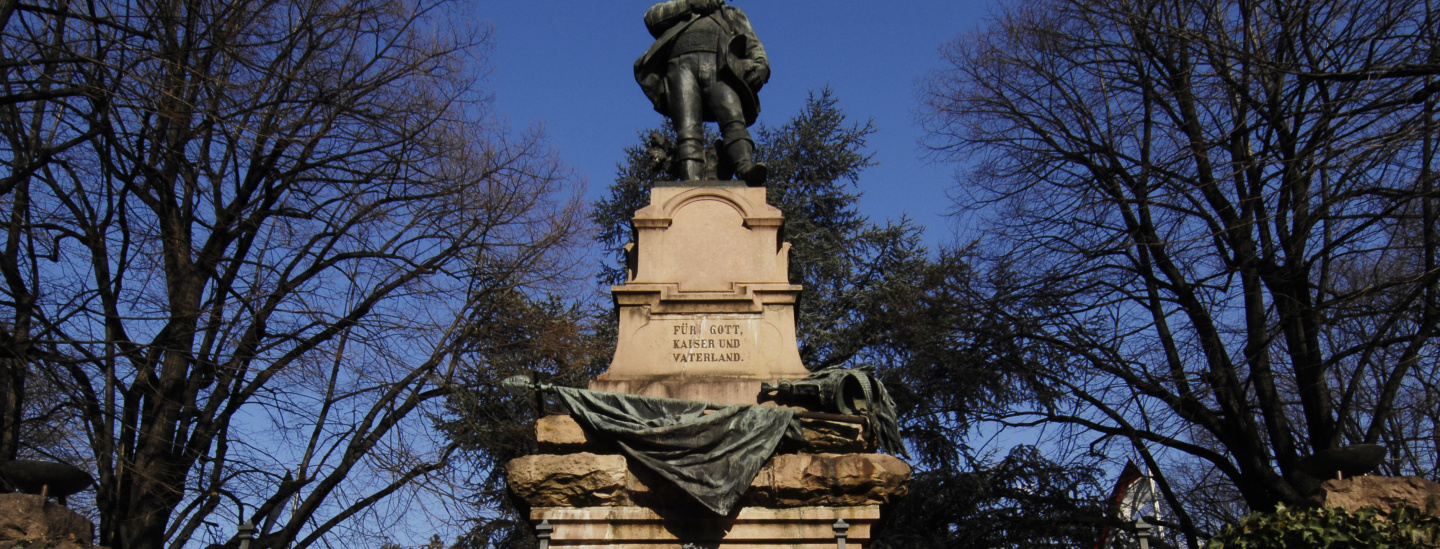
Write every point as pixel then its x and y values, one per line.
pixel 548 338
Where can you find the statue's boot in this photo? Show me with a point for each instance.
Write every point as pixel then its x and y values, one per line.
pixel 690 158
pixel 742 152
pixel 691 170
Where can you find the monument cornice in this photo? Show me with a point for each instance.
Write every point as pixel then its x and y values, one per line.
pixel 669 299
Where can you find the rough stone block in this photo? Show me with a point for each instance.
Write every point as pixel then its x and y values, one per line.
pixel 832 437
pixel 570 480
pixel 561 434
pixel 787 481
pixel 28 520
pixel 1382 492
pixel 798 480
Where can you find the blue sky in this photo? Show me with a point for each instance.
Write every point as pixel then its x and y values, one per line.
pixel 567 65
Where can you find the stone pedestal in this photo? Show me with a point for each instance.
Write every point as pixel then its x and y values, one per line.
pixel 708 311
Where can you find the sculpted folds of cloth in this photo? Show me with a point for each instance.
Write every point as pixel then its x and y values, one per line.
pixel 706 66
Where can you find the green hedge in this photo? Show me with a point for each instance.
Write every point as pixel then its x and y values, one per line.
pixel 1331 528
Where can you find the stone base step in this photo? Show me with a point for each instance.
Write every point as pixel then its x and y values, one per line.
pixel 750 528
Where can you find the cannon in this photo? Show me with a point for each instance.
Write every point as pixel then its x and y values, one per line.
pixel 848 392
pixel 46 478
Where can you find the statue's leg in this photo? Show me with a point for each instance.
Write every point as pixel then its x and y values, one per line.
pixel 739 146
pixel 687 115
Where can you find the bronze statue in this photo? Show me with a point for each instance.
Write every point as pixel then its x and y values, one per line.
pixel 706 65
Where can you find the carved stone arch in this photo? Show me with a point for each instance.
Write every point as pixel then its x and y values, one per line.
pixel 672 207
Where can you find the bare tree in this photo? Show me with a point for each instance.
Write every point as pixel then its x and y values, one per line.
pixel 244 239
pixel 1213 225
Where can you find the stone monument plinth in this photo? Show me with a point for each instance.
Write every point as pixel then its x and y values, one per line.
pixel 708 311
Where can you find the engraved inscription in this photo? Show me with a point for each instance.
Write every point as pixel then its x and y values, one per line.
pixel 707 357
pixel 690 340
